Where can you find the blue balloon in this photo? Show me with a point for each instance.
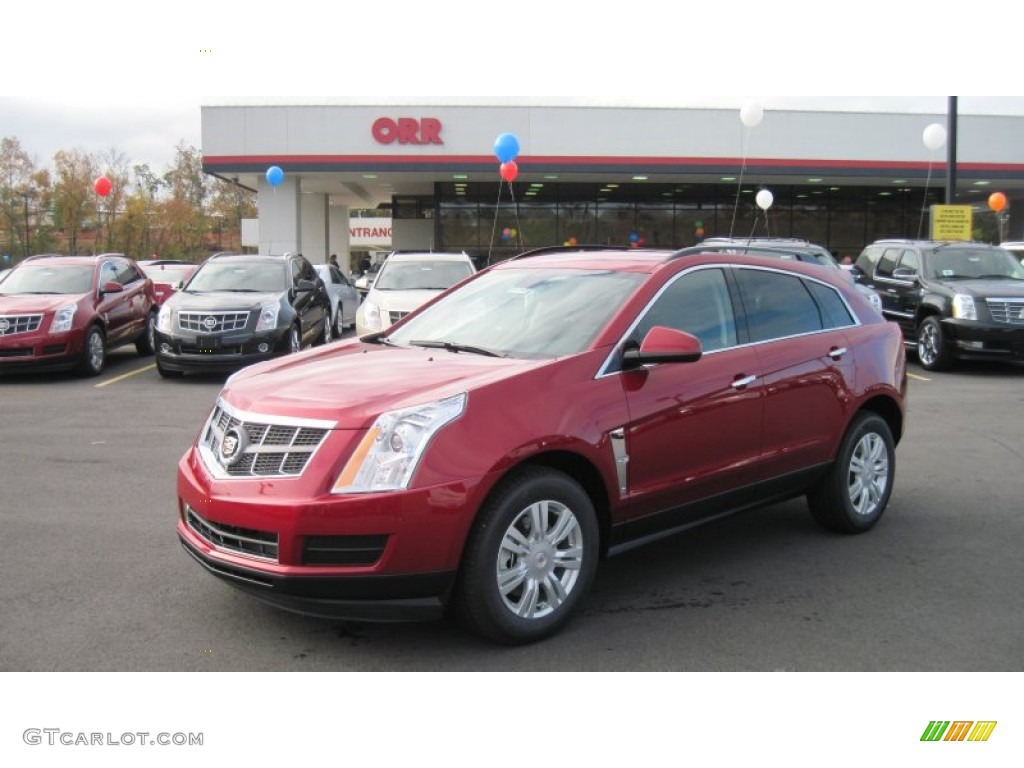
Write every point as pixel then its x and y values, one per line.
pixel 633 237
pixel 274 175
pixel 506 147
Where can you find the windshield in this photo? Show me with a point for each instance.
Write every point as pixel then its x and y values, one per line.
pixel 167 273
pixel 962 262
pixel 524 313
pixel 421 275
pixel 48 278
pixel 248 276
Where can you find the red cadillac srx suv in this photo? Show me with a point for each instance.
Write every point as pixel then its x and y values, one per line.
pixel 485 452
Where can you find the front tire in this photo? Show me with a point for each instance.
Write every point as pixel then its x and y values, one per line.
pixel 853 495
pixel 94 356
pixel 294 343
pixel 530 558
pixel 932 348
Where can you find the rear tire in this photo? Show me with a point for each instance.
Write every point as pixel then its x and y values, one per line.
pixel 339 321
pixel 853 495
pixel 146 345
pixel 530 558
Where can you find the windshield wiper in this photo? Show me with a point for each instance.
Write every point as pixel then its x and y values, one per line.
pixel 452 346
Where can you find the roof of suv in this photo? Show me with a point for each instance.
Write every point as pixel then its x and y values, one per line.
pixel 427 256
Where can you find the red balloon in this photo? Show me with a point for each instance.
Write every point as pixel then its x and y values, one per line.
pixel 509 170
pixel 997 201
pixel 102 186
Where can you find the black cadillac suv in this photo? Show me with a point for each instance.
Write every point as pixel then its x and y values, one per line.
pixel 238 309
pixel 952 300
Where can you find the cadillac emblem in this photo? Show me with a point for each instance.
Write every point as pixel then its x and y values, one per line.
pixel 209 322
pixel 4 325
pixel 232 446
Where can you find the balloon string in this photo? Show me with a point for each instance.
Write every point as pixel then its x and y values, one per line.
pixel 739 186
pixel 515 208
pixel 494 228
pixel 924 203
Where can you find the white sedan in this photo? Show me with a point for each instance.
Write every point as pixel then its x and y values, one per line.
pixel 344 297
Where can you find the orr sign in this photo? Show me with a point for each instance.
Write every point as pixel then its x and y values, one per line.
pixel 407 130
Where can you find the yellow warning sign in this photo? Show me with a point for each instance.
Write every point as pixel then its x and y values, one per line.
pixel 951 222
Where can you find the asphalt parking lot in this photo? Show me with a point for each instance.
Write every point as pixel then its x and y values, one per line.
pixel 93 577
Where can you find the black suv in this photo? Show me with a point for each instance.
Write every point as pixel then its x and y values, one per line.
pixel 951 299
pixel 238 309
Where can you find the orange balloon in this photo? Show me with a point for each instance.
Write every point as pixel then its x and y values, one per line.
pixel 997 201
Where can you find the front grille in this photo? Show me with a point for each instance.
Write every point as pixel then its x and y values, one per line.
pixel 273 450
pixel 212 322
pixel 227 349
pixel 11 324
pixel 396 316
pixel 1009 311
pixel 245 541
pixel 343 550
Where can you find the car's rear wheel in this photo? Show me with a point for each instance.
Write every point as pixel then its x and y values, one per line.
pixel 94 355
pixel 339 320
pixel 932 348
pixel 146 344
pixel 853 495
pixel 530 558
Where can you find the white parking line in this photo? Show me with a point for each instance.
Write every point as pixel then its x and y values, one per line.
pixel 915 376
pixel 149 367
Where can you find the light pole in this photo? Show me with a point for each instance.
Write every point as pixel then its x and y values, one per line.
pixel 220 219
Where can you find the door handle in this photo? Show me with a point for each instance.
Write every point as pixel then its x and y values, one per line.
pixel 836 353
pixel 743 382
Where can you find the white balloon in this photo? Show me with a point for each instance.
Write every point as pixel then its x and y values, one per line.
pixel 764 199
pixel 751 114
pixel 934 136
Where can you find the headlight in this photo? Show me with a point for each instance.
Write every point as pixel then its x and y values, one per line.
pixel 164 320
pixel 875 299
pixel 371 316
pixel 387 456
pixel 268 317
pixel 963 307
pixel 62 319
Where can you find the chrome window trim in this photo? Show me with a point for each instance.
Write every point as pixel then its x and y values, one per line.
pixel 617 347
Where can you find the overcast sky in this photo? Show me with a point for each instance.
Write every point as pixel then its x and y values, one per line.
pixel 132 76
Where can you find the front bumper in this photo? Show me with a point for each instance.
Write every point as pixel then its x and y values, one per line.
pixel 984 340
pixel 224 352
pixel 40 352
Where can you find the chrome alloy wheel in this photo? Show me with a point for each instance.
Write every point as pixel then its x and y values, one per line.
pixel 294 340
pixel 96 351
pixel 928 345
pixel 539 559
pixel 869 473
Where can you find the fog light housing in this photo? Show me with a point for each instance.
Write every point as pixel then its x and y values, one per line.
pixel 263 348
pixel 165 348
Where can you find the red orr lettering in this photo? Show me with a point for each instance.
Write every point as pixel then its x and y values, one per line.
pixel 407 130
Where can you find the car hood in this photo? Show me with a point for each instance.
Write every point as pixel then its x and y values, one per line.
pixel 401 301
pixel 37 303
pixel 980 289
pixel 351 383
pixel 222 300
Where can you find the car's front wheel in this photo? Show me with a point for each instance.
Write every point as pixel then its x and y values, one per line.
pixel 851 497
pixel 294 340
pixel 94 355
pixel 932 348
pixel 530 558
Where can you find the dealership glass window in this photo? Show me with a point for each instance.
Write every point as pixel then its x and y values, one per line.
pixel 537 225
pixel 577 220
pixel 615 222
pixel 460 225
pixel 809 219
pixel 654 226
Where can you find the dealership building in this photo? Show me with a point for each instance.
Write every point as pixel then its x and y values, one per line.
pixel 654 177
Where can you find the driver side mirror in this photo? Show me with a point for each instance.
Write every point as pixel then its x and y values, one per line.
pixel 663 345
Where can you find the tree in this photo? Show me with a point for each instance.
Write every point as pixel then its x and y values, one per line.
pixel 72 192
pixel 114 165
pixel 16 169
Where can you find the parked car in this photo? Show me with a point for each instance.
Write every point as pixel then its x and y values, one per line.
pixel 167 276
pixel 485 452
pixel 793 248
pixel 343 295
pixel 1015 248
pixel 406 281
pixel 62 312
pixel 364 281
pixel 952 300
pixel 238 309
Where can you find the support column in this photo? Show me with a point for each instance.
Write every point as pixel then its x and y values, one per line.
pixel 338 237
pixel 279 216
pixel 313 231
